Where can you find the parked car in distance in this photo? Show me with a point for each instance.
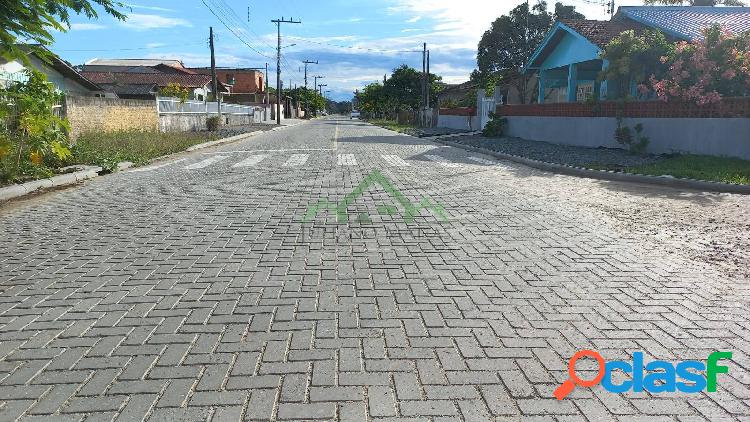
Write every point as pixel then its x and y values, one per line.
pixel 355 114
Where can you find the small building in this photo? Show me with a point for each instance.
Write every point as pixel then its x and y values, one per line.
pixel 568 61
pixel 61 74
pixel 143 78
pixel 247 85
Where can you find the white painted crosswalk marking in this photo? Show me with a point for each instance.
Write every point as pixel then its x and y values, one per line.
pixel 251 161
pixel 207 162
pixel 483 161
pixel 440 160
pixel 296 160
pixel 347 160
pixel 395 161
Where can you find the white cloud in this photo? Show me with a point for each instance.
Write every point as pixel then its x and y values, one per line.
pixel 144 22
pixel 158 9
pixel 414 19
pixel 86 26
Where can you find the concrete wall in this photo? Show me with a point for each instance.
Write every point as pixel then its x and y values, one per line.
pixel 92 114
pixel 197 122
pixel 458 122
pixel 708 136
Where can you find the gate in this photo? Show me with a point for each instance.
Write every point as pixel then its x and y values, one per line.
pixel 488 106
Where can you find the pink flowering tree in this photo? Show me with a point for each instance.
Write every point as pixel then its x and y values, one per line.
pixel 704 71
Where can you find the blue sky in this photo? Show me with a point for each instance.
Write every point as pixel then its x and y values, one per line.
pixel 356 42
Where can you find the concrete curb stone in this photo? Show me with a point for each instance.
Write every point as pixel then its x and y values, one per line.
pixel 15 191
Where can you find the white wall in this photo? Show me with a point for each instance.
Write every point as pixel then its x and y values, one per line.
pixel 458 122
pixel 707 136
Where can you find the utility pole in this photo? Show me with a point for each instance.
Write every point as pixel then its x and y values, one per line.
pixel 321 88
pixel 306 62
pixel 267 102
pixel 429 80
pixel 424 81
pixel 278 23
pixel 214 82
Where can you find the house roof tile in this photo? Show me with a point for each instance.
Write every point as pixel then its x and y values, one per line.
pixel 688 22
pixel 602 32
pixel 158 79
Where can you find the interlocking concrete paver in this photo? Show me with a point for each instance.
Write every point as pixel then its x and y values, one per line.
pixel 198 291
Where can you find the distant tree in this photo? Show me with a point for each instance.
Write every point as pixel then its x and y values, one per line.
pixel 175 90
pixel 402 91
pixel 373 100
pixel 339 107
pixel 35 20
pixel 511 40
pixel 697 2
pixel 309 97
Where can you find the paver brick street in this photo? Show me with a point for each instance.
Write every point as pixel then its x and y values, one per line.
pixel 194 291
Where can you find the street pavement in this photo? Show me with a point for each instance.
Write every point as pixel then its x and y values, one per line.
pixel 338 271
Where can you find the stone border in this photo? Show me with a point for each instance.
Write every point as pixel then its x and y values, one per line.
pixel 669 181
pixel 15 191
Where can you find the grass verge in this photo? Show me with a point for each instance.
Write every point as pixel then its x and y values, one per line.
pixel 701 167
pixel 391 125
pixel 109 149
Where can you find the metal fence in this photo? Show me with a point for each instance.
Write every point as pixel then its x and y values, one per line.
pixel 175 106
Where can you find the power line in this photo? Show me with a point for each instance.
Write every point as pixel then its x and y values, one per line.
pixel 353 47
pixel 232 31
pixel 232 16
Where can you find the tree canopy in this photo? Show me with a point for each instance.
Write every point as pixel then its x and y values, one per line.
pixel 35 20
pixel 511 40
pixel 402 91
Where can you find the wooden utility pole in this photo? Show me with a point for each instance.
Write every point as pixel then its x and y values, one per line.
pixel 278 23
pixel 429 80
pixel 267 103
pixel 214 82
pixel 306 62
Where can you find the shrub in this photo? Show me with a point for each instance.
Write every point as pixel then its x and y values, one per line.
pixel 32 137
pixel 706 70
pixel 495 127
pixel 636 143
pixel 175 90
pixel 213 123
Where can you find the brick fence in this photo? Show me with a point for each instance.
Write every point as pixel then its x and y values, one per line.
pixel 728 108
pixel 92 114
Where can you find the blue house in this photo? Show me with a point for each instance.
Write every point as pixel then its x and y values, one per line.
pixel 568 60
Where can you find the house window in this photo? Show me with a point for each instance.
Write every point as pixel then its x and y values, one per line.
pixel 230 79
pixel 585 91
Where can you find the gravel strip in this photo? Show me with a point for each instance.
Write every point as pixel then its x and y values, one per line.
pixel 560 154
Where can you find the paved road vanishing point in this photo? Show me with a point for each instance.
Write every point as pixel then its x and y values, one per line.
pixel 338 271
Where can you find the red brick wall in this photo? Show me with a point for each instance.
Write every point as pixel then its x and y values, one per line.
pixel 729 107
pixel 245 82
pixel 459 111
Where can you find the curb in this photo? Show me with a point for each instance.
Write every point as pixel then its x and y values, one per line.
pixel 451 135
pixel 15 191
pixel 668 181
